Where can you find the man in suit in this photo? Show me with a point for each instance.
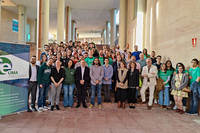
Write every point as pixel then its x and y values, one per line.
pixel 83 80
pixel 32 85
pixel 149 73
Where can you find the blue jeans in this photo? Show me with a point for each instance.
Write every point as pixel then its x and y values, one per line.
pixel 94 88
pixel 43 94
pixel 68 95
pixel 194 103
pixel 166 97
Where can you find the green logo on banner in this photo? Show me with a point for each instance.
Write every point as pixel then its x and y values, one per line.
pixel 6 66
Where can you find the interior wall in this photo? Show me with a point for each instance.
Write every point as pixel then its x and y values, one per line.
pixel 174 24
pixel 7 35
pixel 131 25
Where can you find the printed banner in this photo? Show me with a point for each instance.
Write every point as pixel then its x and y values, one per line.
pixel 14 66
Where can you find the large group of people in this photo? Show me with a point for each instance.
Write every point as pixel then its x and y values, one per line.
pixel 81 67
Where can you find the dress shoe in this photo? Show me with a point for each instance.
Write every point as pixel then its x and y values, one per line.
pixel 77 106
pixel 52 107
pixel 119 104
pixel 57 107
pixel 123 105
pixel 29 110
pixel 149 107
pixel 84 106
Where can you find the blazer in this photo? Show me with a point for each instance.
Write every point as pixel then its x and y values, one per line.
pixel 86 76
pixel 133 80
pixel 114 65
pixel 151 77
pixel 30 72
pixel 184 82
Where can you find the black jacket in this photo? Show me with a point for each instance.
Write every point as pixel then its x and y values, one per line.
pixel 30 72
pixel 114 65
pixel 86 76
pixel 133 80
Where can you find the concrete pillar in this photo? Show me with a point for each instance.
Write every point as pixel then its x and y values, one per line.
pixel 35 25
pixel 22 24
pixel 141 9
pixel 68 23
pixel 107 32
pixel 45 24
pixel 73 30
pixel 39 29
pixel 113 13
pixel 122 23
pixel 104 36
pixel 60 21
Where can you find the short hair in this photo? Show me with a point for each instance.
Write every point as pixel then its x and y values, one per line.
pixel 195 61
pixel 153 51
pixel 181 65
pixel 66 65
pixel 54 54
pixel 86 53
pixel 50 58
pixel 159 56
pixel 33 56
pixel 61 42
pixel 59 52
pixel 46 45
pixel 106 59
pixel 70 41
pixel 133 63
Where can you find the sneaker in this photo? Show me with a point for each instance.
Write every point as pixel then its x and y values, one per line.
pixel 57 107
pixel 184 108
pixel 29 110
pixel 196 114
pixel 45 108
pixel 181 112
pixel 175 107
pixel 178 110
pixel 84 106
pixel 109 101
pixel 33 108
pixel 155 101
pixel 40 109
pixel 69 107
pixel 100 106
pixel 52 107
pixel 91 106
pixel 188 112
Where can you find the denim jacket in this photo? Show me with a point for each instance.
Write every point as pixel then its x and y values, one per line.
pixel 195 88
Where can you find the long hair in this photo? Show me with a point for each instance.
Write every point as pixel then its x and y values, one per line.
pixel 41 61
pixel 146 52
pixel 123 63
pixel 165 70
pixel 99 63
pixel 171 67
pixel 133 63
pixel 120 57
pixel 72 66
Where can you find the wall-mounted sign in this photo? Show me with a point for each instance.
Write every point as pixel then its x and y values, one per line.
pixel 194 42
pixel 15 25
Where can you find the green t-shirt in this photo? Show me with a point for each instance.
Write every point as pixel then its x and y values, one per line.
pixel 89 61
pixel 101 60
pixel 110 61
pixel 148 56
pixel 195 73
pixel 164 76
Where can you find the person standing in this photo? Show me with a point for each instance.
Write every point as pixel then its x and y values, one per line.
pixel 89 60
pixel 179 81
pixel 46 48
pixel 122 84
pixel 136 53
pixel 107 79
pixel 57 76
pixel 96 74
pixel 69 84
pixel 44 84
pixel 101 57
pixel 133 83
pixel 194 76
pixel 149 73
pixel 32 84
pixel 158 62
pixel 115 66
pixel 146 55
pixel 142 61
pixel 165 76
pixel 83 80
pixel 118 49
pixel 153 57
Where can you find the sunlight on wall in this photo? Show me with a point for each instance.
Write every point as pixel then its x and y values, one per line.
pixel 140 30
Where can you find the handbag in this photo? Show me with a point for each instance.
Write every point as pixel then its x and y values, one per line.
pixel 186 89
pixel 159 86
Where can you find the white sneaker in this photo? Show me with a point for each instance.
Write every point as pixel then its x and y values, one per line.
pixel 184 108
pixel 155 101
pixel 45 108
pixel 170 102
pixel 40 109
pixel 175 107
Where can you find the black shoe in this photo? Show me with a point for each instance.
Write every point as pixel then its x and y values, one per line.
pixel 109 101
pixel 84 106
pixel 115 101
pixel 77 106
pixel 52 107
pixel 105 101
pixel 57 107
pixel 33 108
pixel 65 107
pixel 28 110
pixel 133 107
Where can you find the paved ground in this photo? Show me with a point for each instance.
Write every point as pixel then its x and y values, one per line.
pixel 109 119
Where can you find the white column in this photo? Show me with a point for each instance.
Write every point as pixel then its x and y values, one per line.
pixel 122 23
pixel 107 32
pixel 104 36
pixel 60 20
pixel 112 27
pixel 68 23
pixel 22 24
pixel 45 24
pixel 73 30
pixel 141 9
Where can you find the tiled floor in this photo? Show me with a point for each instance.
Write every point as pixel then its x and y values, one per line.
pixel 109 119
